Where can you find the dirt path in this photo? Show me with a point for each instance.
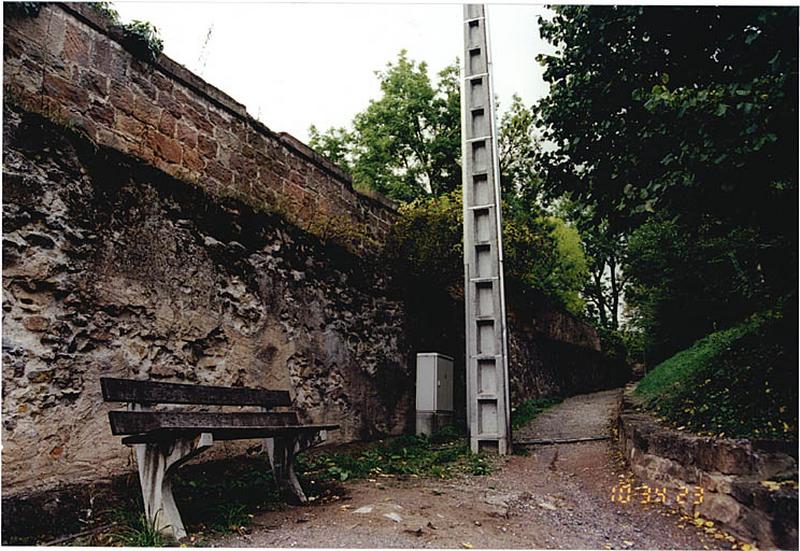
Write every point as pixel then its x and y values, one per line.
pixel 554 497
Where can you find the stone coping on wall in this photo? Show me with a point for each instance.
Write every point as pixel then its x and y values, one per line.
pixel 731 472
pixel 70 64
pixel 180 73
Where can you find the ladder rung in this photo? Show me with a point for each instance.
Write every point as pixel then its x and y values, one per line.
pixel 483 279
pixel 476 75
pixel 481 139
pixel 487 397
pixel 474 19
pixel 479 207
pixel 486 357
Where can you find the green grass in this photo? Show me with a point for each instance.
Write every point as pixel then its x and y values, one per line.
pixel 738 382
pixel 137 531
pixel 441 456
pixel 529 409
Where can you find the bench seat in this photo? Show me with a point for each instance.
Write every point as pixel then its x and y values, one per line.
pixel 232 433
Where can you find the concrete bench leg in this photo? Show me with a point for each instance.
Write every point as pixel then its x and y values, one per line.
pixel 157 462
pixel 281 453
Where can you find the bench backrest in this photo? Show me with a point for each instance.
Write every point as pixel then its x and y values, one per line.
pixel 148 392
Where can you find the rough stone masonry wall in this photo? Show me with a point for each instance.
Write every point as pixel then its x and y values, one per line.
pixel 68 64
pixel 554 353
pixel 730 472
pixel 113 268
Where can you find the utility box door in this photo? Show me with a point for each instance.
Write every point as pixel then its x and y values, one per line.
pixel 434 382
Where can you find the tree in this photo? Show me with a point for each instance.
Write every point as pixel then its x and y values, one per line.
pixel 517 146
pixel 697 138
pixel 543 253
pixel 407 144
pixel 643 118
pixel 334 144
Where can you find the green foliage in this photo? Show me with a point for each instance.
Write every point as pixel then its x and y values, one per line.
pixel 231 517
pixel 529 409
pixel 441 456
pixel 685 126
pixel 406 144
pixel 623 345
pixel 545 253
pixel 603 250
pixel 690 281
pixel 697 138
pixel 106 9
pixel 334 145
pixel 740 382
pixel 516 147
pixel 140 38
pixel 139 532
pixel 222 495
pixel 21 9
pixel 425 245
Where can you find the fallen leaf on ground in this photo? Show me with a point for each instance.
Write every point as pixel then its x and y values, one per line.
pixel 467 545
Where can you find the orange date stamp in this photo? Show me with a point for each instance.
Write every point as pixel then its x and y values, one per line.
pixel 644 494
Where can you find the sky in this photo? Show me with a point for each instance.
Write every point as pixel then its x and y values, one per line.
pixel 297 64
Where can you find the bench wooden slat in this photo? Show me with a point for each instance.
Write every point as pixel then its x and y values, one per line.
pixel 137 422
pixel 166 435
pixel 127 390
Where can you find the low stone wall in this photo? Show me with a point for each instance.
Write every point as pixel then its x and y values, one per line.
pixel 731 473
pixel 69 64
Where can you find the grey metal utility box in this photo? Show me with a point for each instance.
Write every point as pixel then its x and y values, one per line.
pixel 434 392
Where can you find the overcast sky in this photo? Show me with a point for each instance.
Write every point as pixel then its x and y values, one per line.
pixel 293 65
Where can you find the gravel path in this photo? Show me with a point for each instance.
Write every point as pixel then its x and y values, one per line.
pixel 557 496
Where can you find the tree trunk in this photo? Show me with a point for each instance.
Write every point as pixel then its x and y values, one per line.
pixel 615 290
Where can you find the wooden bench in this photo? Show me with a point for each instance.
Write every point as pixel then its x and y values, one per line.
pixel 163 440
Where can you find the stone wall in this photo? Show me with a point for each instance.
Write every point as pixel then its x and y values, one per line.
pixel 553 353
pixel 731 472
pixel 69 64
pixel 113 268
